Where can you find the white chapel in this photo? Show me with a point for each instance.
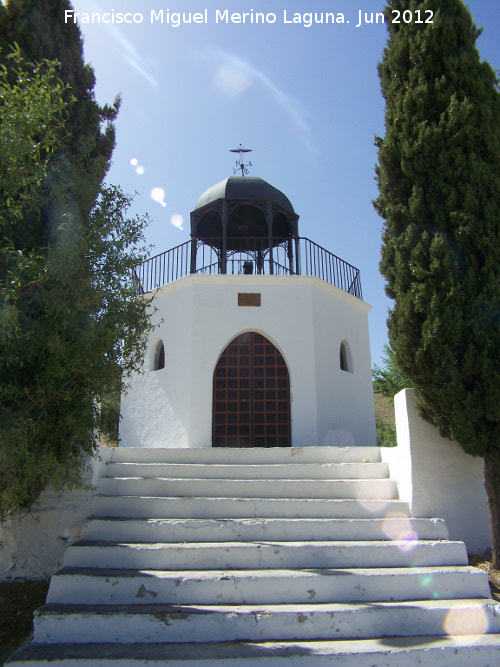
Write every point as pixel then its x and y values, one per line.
pixel 248 518
pixel 262 336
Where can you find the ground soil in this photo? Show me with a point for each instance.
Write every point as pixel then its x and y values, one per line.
pixel 483 561
pixel 18 601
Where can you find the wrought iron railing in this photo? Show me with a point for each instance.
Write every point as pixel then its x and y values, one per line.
pixel 286 256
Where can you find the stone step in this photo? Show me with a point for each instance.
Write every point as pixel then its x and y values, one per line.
pixel 246 455
pixel 89 585
pixel 429 651
pixel 257 557
pixel 395 527
pixel 385 489
pixel 79 624
pixel 146 507
pixel 272 555
pixel 249 471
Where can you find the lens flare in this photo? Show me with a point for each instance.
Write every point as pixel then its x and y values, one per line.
pixel 177 221
pixel 232 81
pixel 409 542
pixel 425 581
pixel 397 527
pixel 158 195
pixel 373 506
pixel 466 620
pixel 234 76
pixel 138 168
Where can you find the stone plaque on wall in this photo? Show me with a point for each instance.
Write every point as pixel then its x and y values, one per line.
pixel 248 299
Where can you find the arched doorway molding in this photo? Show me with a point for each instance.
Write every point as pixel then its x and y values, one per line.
pixel 262 333
pixel 251 399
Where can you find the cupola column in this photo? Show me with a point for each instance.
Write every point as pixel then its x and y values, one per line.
pixel 295 224
pixel 269 219
pixel 297 256
pixel 194 242
pixel 225 216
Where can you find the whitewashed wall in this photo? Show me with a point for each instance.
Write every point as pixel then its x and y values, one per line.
pixel 32 545
pixel 437 477
pixel 305 317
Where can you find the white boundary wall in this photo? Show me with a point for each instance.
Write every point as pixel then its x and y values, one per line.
pixel 32 545
pixel 437 477
pixel 305 317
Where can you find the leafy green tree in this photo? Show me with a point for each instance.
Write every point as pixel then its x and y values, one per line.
pixel 389 379
pixel 66 337
pixel 386 433
pixel 439 193
pixel 33 113
pixel 70 327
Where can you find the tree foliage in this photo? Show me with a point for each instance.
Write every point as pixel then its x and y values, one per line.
pixel 66 337
pixel 439 181
pixel 33 114
pixel 439 194
pixel 389 379
pixel 38 30
pixel 386 433
pixel 71 327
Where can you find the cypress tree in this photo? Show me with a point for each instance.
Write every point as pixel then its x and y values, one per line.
pixel 38 30
pixel 439 194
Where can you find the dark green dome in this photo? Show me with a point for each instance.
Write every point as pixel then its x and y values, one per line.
pixel 244 188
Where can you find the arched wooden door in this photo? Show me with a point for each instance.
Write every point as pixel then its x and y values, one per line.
pixel 251 404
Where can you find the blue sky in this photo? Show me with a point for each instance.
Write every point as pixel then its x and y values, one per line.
pixel 306 99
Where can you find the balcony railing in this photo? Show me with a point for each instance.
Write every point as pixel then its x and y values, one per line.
pixel 298 256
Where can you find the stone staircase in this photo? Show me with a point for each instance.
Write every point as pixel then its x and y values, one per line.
pixel 261 556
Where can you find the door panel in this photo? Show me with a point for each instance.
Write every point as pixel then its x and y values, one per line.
pixel 251 406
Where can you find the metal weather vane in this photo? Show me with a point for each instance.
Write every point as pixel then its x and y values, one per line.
pixel 240 164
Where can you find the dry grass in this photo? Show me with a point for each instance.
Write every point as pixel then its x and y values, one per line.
pixel 384 408
pixel 483 562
